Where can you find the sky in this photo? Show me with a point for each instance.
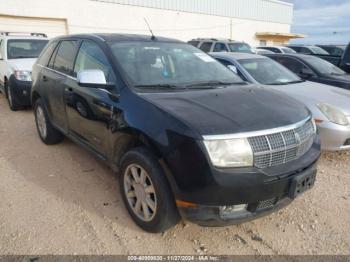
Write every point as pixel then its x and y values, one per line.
pixel 324 21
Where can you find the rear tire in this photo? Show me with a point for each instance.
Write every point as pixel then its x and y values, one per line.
pixel 146 192
pixel 47 132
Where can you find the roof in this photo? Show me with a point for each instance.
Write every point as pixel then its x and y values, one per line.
pixel 274 46
pixel 237 56
pixel 122 37
pixel 215 39
pixel 294 45
pixel 302 56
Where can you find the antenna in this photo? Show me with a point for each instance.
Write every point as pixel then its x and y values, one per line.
pixel 150 29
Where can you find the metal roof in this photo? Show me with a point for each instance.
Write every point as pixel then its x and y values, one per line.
pixel 262 10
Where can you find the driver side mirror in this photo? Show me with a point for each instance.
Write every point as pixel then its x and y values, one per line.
pixel 93 79
pixel 306 73
pixel 233 69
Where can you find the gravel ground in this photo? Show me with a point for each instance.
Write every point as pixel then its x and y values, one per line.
pixel 62 200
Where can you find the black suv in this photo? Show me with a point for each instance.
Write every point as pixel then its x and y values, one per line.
pixel 187 137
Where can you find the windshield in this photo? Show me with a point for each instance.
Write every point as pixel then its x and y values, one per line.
pixel 240 48
pixel 268 72
pixel 318 50
pixel 288 50
pixel 175 65
pixel 323 67
pixel 25 48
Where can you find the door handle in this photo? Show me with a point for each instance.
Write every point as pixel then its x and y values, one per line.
pixel 69 89
pixel 45 79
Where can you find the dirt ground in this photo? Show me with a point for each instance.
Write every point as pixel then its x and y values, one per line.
pixel 62 200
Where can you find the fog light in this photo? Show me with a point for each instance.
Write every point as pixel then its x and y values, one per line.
pixel 25 92
pixel 229 210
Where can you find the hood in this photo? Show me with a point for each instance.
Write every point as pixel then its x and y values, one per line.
pixel 344 78
pixel 230 110
pixel 311 93
pixel 25 64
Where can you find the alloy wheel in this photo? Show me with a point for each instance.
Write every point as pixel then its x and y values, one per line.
pixel 41 121
pixel 140 192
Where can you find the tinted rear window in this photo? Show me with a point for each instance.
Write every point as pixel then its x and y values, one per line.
pixel 64 59
pixel 24 48
pixel 46 54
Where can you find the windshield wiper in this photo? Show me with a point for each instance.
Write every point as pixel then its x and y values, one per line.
pixel 284 83
pixel 157 86
pixel 336 74
pixel 21 57
pixel 213 84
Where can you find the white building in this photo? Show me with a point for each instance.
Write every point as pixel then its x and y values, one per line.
pixel 253 21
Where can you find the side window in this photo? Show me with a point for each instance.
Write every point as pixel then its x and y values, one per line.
pixel 232 67
pixel 64 58
pixel 46 54
pixel 91 56
pixel 276 50
pixel 295 48
pixel 220 47
pixel 224 62
pixel 292 64
pixel 194 43
pixel 206 47
pixel 305 51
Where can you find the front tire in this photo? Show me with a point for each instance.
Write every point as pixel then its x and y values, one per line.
pixel 146 192
pixel 10 99
pixel 47 132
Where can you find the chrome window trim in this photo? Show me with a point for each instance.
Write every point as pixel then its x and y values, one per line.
pixel 57 72
pixel 71 77
pixel 257 133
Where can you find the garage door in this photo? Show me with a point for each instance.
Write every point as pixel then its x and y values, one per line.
pixel 50 26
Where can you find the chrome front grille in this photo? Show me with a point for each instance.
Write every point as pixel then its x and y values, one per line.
pixel 282 147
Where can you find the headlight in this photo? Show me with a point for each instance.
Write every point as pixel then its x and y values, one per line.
pixel 23 75
pixel 333 114
pixel 230 153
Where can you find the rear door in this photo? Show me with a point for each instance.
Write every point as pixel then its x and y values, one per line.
pixel 89 110
pixel 54 79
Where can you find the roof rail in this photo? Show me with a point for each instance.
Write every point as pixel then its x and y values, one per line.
pixel 23 33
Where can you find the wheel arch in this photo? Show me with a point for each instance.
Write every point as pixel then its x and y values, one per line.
pixel 34 96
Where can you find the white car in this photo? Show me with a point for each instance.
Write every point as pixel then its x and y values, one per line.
pixel 277 49
pixel 18 53
pixel 329 105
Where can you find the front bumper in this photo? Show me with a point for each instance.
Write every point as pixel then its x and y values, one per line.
pixel 215 216
pixel 20 91
pixel 334 137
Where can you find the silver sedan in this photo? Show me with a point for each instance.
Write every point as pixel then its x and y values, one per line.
pixel 330 105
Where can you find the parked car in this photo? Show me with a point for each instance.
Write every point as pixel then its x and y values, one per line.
pixel 314 69
pixel 188 138
pixel 336 58
pixel 18 53
pixel 308 49
pixel 277 49
pixel 221 45
pixel 263 52
pixel 334 50
pixel 330 106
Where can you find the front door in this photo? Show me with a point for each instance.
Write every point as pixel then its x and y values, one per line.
pixel 90 110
